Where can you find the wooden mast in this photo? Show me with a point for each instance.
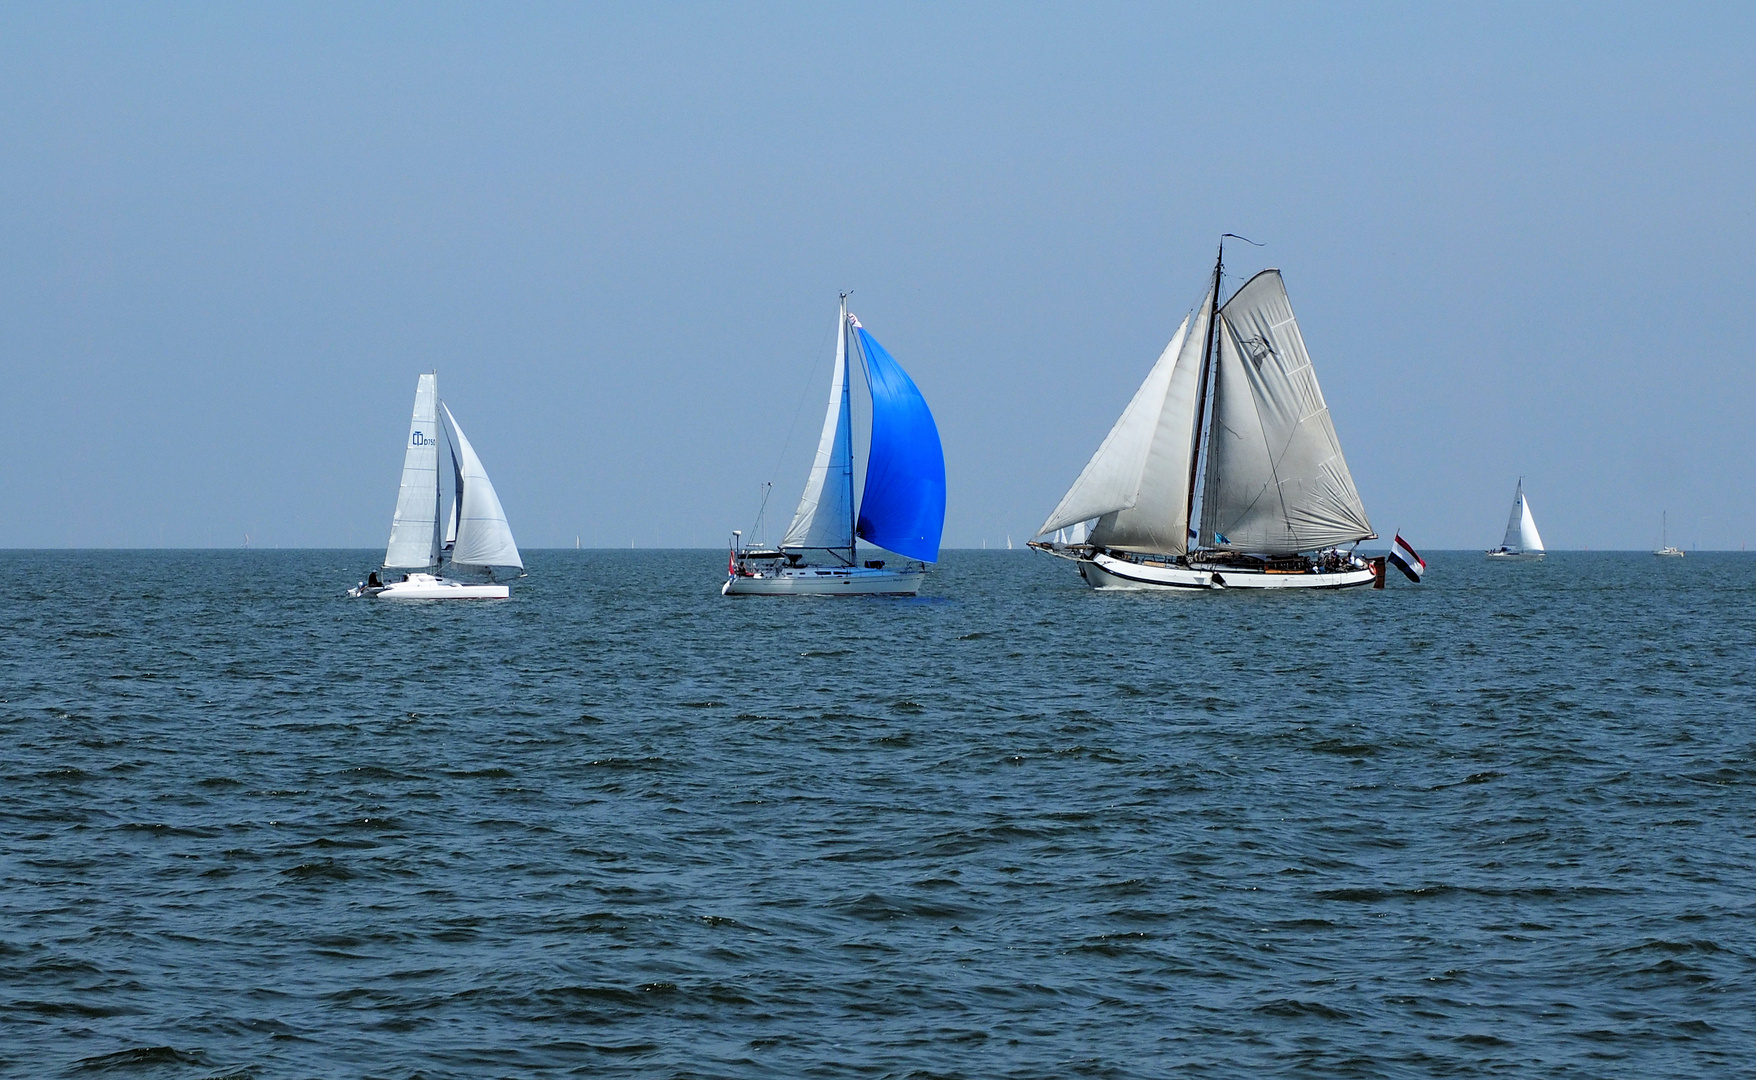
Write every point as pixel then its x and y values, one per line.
pixel 1201 390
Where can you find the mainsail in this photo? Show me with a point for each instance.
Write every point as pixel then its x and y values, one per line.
pixel 1521 530
pixel 414 530
pixel 825 516
pixel 483 536
pixel 902 507
pixel 1276 480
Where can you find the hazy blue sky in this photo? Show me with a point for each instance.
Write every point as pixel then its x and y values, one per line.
pixel 1518 240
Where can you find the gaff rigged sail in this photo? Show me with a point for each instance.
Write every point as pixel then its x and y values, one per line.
pixel 1276 478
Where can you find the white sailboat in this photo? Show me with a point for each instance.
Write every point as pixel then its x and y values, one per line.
pixel 1665 550
pixel 1522 540
pixel 476 539
pixel 901 508
pixel 1224 471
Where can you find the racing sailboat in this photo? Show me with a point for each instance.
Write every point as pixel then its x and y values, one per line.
pixel 476 540
pixel 901 507
pixel 1224 471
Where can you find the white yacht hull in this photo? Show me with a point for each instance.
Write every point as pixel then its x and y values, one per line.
pixel 1516 556
pixel 824 581
pixel 428 587
pixel 1108 572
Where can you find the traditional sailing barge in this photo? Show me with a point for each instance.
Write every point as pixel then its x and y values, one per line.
pixel 1224 471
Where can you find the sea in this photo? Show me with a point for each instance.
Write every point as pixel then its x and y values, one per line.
pixel 1500 822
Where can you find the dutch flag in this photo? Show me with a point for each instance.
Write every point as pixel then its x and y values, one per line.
pixel 1407 560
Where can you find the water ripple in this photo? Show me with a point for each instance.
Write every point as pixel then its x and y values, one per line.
pixel 620 825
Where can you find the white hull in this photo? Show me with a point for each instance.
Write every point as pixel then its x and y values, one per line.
pixel 428 587
pixel 1108 572
pixel 1669 553
pixel 824 581
pixel 1516 556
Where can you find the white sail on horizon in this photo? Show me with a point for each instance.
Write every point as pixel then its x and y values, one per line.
pixel 414 528
pixel 1521 530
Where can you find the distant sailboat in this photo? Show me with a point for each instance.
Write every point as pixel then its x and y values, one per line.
pixel 1522 540
pixel 476 537
pixel 1224 471
pixel 901 509
pixel 1665 550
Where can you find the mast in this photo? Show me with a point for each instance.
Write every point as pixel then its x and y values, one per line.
pixel 847 412
pixel 1201 390
pixel 438 556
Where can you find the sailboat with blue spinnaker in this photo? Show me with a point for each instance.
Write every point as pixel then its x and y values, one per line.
pixel 901 508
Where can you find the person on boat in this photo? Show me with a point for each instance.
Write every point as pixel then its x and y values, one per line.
pixel 372 581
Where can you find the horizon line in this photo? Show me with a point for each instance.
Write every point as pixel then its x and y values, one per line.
pixel 1020 549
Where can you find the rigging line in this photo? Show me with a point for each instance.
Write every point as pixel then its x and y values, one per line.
pixel 756 529
pixel 1222 240
pixel 804 390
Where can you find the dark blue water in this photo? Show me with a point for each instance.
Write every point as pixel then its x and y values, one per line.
pixel 618 825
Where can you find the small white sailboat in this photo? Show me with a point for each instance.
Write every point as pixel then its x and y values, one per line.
pixel 1224 471
pixel 1522 540
pixel 901 508
pixel 1665 550
pixel 476 539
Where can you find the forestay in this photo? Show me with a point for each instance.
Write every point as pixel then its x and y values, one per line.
pixel 414 529
pixel 902 507
pixel 1276 479
pixel 483 536
pixel 824 518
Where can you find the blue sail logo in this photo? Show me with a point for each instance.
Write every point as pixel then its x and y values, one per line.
pixel 422 439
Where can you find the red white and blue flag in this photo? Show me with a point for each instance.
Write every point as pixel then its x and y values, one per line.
pixel 1407 560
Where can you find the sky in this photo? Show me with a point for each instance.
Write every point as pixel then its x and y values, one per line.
pixel 1517 238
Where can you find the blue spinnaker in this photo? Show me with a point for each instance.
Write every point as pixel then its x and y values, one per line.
pixel 903 506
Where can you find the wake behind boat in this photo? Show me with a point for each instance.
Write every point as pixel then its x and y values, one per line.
pixel 476 540
pixel 1227 443
pixel 901 509
pixel 1522 541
